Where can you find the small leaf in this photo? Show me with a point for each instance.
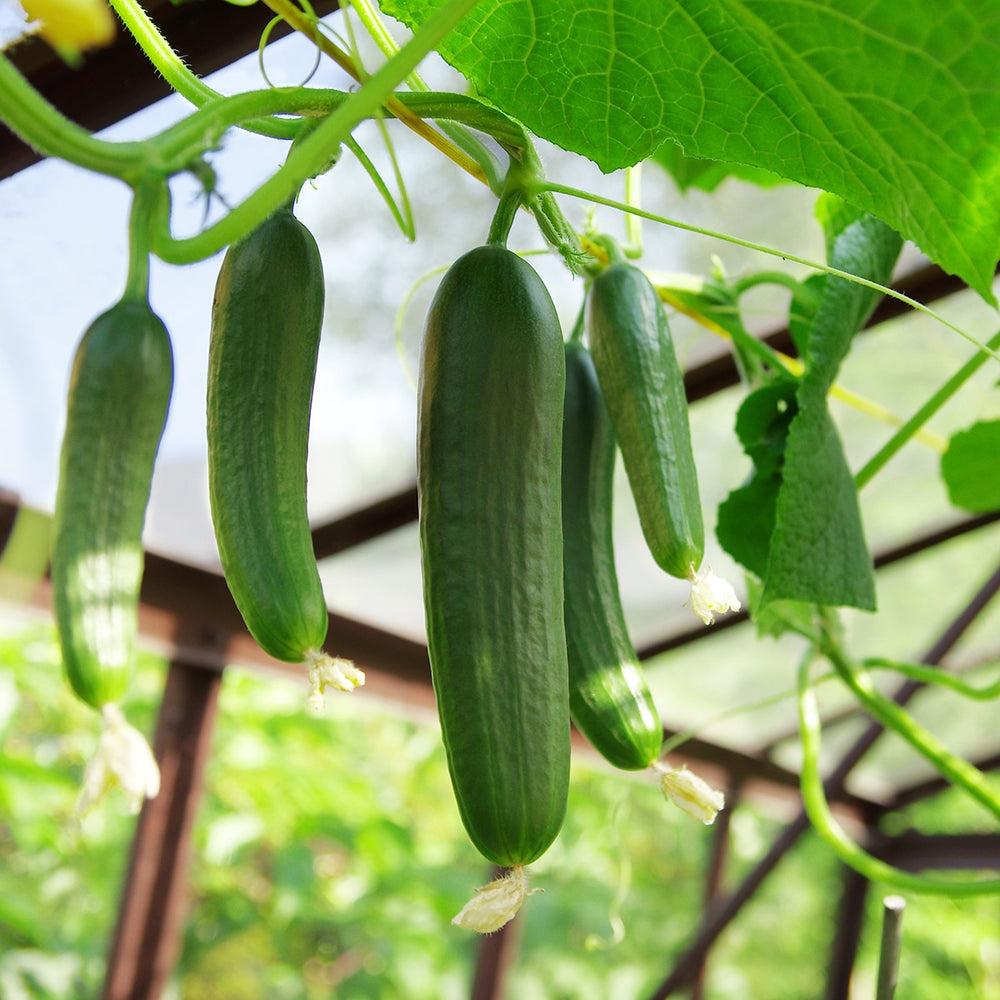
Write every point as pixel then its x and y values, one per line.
pixel 971 468
pixel 818 551
pixel 746 522
pixel 746 517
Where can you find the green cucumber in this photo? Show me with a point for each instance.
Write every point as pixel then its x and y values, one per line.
pixel 266 323
pixel 119 394
pixel 489 465
pixel 609 699
pixel 643 385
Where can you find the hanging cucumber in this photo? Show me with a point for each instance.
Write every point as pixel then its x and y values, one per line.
pixel 643 385
pixel 266 323
pixel 609 699
pixel 489 459
pixel 118 398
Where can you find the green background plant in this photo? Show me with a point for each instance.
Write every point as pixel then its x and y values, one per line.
pixel 326 865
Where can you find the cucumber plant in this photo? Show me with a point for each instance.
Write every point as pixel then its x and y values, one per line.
pixel 260 390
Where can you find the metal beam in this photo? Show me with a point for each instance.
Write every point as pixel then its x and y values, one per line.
pixel 150 916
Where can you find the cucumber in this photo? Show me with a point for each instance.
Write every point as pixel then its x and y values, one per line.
pixel 266 323
pixel 643 385
pixel 491 387
pixel 118 399
pixel 608 696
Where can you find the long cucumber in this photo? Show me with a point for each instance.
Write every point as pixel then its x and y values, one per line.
pixel 267 318
pixel 489 461
pixel 610 701
pixel 644 387
pixel 119 395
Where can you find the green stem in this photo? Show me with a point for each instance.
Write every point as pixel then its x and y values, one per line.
pixel 892 716
pixel 403 214
pixel 933 675
pixel 633 223
pixel 178 75
pixel 782 278
pixel 818 810
pixel 503 218
pixel 459 134
pixel 304 161
pixel 51 133
pixel 580 325
pixel 917 421
pixel 143 209
pixel 621 206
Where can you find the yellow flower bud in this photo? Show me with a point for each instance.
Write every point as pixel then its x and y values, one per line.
pixel 72 26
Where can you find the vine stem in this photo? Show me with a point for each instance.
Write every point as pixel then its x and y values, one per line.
pixel 929 408
pixel 137 280
pixel 836 272
pixel 292 15
pixel 892 716
pixel 460 135
pixel 832 833
pixel 186 83
pixel 932 675
pixel 50 133
pixel 312 153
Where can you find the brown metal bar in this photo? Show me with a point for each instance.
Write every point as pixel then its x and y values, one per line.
pixel 147 936
pixel 378 518
pixel 115 82
pixel 915 851
pixel 715 871
pixel 849 923
pixel 888 557
pixel 686 966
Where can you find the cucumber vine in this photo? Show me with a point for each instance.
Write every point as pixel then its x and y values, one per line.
pixel 783 416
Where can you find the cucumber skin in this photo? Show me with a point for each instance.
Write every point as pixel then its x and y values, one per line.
pixel 609 699
pixel 267 318
pixel 118 399
pixel 489 469
pixel 643 386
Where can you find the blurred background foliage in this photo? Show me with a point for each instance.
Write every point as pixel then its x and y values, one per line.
pixel 329 860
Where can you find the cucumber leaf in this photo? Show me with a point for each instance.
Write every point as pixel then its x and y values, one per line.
pixel 971 467
pixel 746 517
pixel 818 551
pixel 796 524
pixel 894 107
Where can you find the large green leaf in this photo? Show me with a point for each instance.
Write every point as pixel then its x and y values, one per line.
pixel 894 106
